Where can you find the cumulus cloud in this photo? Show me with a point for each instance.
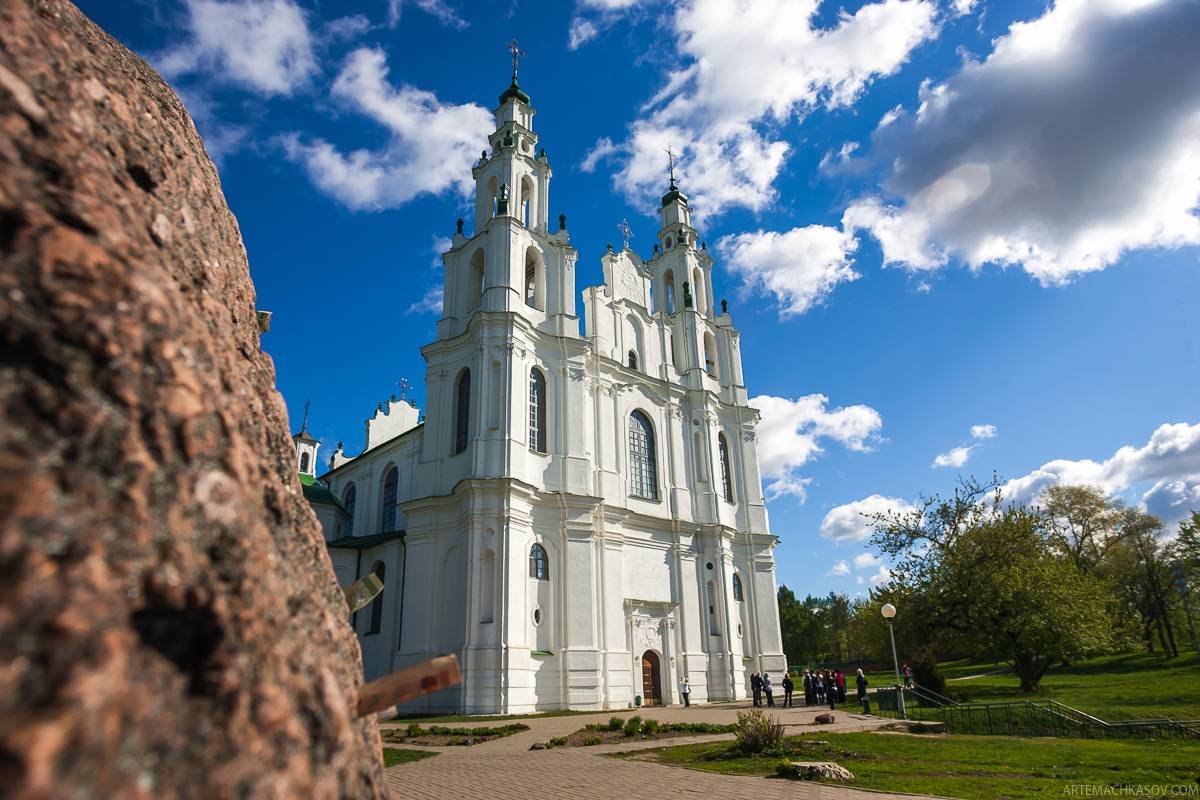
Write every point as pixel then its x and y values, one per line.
pixel 746 68
pixel 1171 458
pixel 865 560
pixel 798 268
pixel 839 568
pixel 430 302
pixel 983 431
pixel 955 457
pixel 790 433
pixel 851 522
pixel 1076 140
pixel 261 45
pixel 433 144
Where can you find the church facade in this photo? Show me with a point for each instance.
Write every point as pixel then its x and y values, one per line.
pixel 579 516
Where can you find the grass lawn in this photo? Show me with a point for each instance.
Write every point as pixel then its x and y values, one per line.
pixel 1135 686
pixel 968 767
pixel 394 755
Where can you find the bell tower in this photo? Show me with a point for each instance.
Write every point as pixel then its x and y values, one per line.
pixel 306 447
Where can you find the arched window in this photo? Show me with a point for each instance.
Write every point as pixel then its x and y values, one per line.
pixel 304 461
pixel 710 356
pixel 377 603
pixel 737 588
pixel 714 622
pixel 726 472
pixel 462 410
pixel 643 475
pixel 391 483
pixel 526 211
pixel 535 279
pixel 669 280
pixel 348 502
pixel 632 360
pixel 539 563
pixel 475 284
pixel 537 410
pixel 698 288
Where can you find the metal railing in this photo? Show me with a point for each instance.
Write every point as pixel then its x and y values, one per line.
pixel 1026 718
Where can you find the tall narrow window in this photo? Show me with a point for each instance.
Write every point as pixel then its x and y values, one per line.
pixel 377 603
pixel 462 411
pixel 391 483
pixel 643 475
pixel 669 280
pixel 475 284
pixel 539 563
pixel 737 588
pixel 632 360
pixel 714 623
pixel 304 462
pixel 535 279
pixel 487 587
pixel 349 500
pixel 537 410
pixel 710 356
pixel 726 473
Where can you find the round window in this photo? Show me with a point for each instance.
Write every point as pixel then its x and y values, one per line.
pixel 709 565
pixel 537 616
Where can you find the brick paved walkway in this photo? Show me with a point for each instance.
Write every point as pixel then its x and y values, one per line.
pixel 507 770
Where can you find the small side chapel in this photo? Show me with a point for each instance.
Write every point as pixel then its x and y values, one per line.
pixel 579 518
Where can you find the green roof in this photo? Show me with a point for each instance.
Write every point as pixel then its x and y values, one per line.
pixel 514 91
pixel 363 542
pixel 317 492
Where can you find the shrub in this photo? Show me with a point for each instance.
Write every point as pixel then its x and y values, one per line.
pixel 699 727
pixel 557 741
pixel 413 729
pixel 616 723
pixel 757 732
pixel 650 727
pixel 591 740
pixel 926 673
pixel 632 726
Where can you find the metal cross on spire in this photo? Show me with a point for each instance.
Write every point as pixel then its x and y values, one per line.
pixel 671 164
pixel 626 232
pixel 304 424
pixel 517 53
pixel 404 387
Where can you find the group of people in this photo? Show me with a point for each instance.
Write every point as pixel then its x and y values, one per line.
pixel 820 687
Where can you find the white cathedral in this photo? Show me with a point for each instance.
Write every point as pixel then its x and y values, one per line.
pixel 578 518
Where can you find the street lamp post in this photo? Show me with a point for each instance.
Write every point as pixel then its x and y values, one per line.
pixel 889 612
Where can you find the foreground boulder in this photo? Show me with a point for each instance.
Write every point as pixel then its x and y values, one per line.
pixel 170 625
pixel 824 719
pixel 815 771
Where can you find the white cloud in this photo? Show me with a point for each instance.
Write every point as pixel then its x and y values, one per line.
pixel 851 522
pixel 581 32
pixel 882 575
pixel 983 431
pixel 1076 140
pixel 1171 458
pixel 864 560
pixel 790 432
pixel 603 148
pixel 432 149
pixel 800 268
pixel 839 568
pixel 346 28
pixel 262 45
pixel 436 8
pixel 430 303
pixel 745 69
pixel 955 457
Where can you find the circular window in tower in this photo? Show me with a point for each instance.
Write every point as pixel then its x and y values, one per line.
pixel 708 565
pixel 537 616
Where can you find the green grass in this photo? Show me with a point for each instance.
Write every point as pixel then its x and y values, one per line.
pixel 1134 686
pixel 394 755
pixel 968 767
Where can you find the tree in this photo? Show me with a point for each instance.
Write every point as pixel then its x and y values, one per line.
pixel 981 574
pixel 1138 568
pixel 1082 522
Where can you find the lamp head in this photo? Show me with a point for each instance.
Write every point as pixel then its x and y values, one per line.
pixel 888 611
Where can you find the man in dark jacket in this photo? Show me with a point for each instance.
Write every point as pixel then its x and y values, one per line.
pixel 756 688
pixel 788 686
pixel 862 692
pixel 810 694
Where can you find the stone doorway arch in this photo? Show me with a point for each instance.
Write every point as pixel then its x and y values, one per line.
pixel 651 679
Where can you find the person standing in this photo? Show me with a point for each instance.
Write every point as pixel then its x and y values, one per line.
pixel 831 690
pixel 788 687
pixel 841 684
pixel 861 680
pixel 686 691
pixel 767 689
pixel 907 677
pixel 808 688
pixel 756 688
pixel 818 688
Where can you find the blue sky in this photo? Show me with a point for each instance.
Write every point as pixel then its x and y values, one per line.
pixel 958 237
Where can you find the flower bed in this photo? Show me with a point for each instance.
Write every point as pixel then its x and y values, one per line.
pixel 442 736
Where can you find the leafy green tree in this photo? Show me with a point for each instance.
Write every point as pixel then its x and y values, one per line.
pixel 1082 522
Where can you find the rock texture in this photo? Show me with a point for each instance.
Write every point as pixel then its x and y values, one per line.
pixel 170 625
pixel 817 771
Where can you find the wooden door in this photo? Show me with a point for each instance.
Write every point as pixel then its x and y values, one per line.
pixel 651 679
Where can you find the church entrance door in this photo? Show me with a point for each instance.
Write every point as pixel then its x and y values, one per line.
pixel 651 679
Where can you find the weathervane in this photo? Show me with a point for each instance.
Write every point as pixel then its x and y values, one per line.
pixel 404 387
pixel 626 232
pixel 517 53
pixel 671 162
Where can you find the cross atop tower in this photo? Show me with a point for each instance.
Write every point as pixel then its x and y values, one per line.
pixel 404 387
pixel 626 232
pixel 517 53
pixel 671 164
pixel 304 424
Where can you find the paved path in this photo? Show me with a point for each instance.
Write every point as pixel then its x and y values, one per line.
pixel 506 769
